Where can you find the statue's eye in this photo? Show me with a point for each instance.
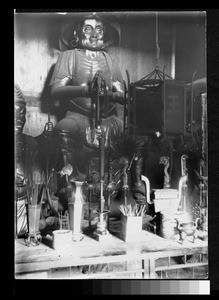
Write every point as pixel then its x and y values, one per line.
pixel 99 29
pixel 87 28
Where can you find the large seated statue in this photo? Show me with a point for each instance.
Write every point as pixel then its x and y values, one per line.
pixel 84 55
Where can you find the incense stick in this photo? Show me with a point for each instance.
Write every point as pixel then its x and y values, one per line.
pixel 138 210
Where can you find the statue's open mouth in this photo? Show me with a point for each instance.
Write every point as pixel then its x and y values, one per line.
pixel 93 40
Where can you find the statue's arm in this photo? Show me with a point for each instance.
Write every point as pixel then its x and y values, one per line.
pixel 117 94
pixel 61 89
pixel 61 82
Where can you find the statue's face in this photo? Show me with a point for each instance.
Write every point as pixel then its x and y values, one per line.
pixel 20 118
pixel 92 33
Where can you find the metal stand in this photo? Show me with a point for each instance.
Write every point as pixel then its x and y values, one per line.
pixel 64 221
pixel 33 237
pixel 100 88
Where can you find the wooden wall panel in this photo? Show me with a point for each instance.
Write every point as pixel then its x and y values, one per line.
pixel 33 55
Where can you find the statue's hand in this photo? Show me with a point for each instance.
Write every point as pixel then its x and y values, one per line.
pixel 96 86
pixel 48 129
pixel 91 89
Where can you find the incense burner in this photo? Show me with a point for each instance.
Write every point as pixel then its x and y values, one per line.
pixel 188 229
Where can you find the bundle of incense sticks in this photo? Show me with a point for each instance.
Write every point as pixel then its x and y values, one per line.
pixel 138 210
pixel 34 187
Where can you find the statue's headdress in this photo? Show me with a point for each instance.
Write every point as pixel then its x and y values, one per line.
pixel 72 27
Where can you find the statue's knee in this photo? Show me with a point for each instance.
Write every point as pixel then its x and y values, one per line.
pixel 65 141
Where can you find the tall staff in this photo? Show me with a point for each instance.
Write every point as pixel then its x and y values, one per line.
pixel 99 88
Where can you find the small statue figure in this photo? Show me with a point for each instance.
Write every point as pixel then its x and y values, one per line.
pixel 25 159
pixel 184 170
pixel 136 167
pixel 183 188
pixel 166 162
pixel 124 161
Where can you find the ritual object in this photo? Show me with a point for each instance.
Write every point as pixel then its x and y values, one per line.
pixel 34 189
pixel 61 239
pixel 100 86
pixel 168 225
pixel 131 221
pixel 33 224
pixel 166 200
pixel 188 229
pixel 75 210
pixel 165 161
